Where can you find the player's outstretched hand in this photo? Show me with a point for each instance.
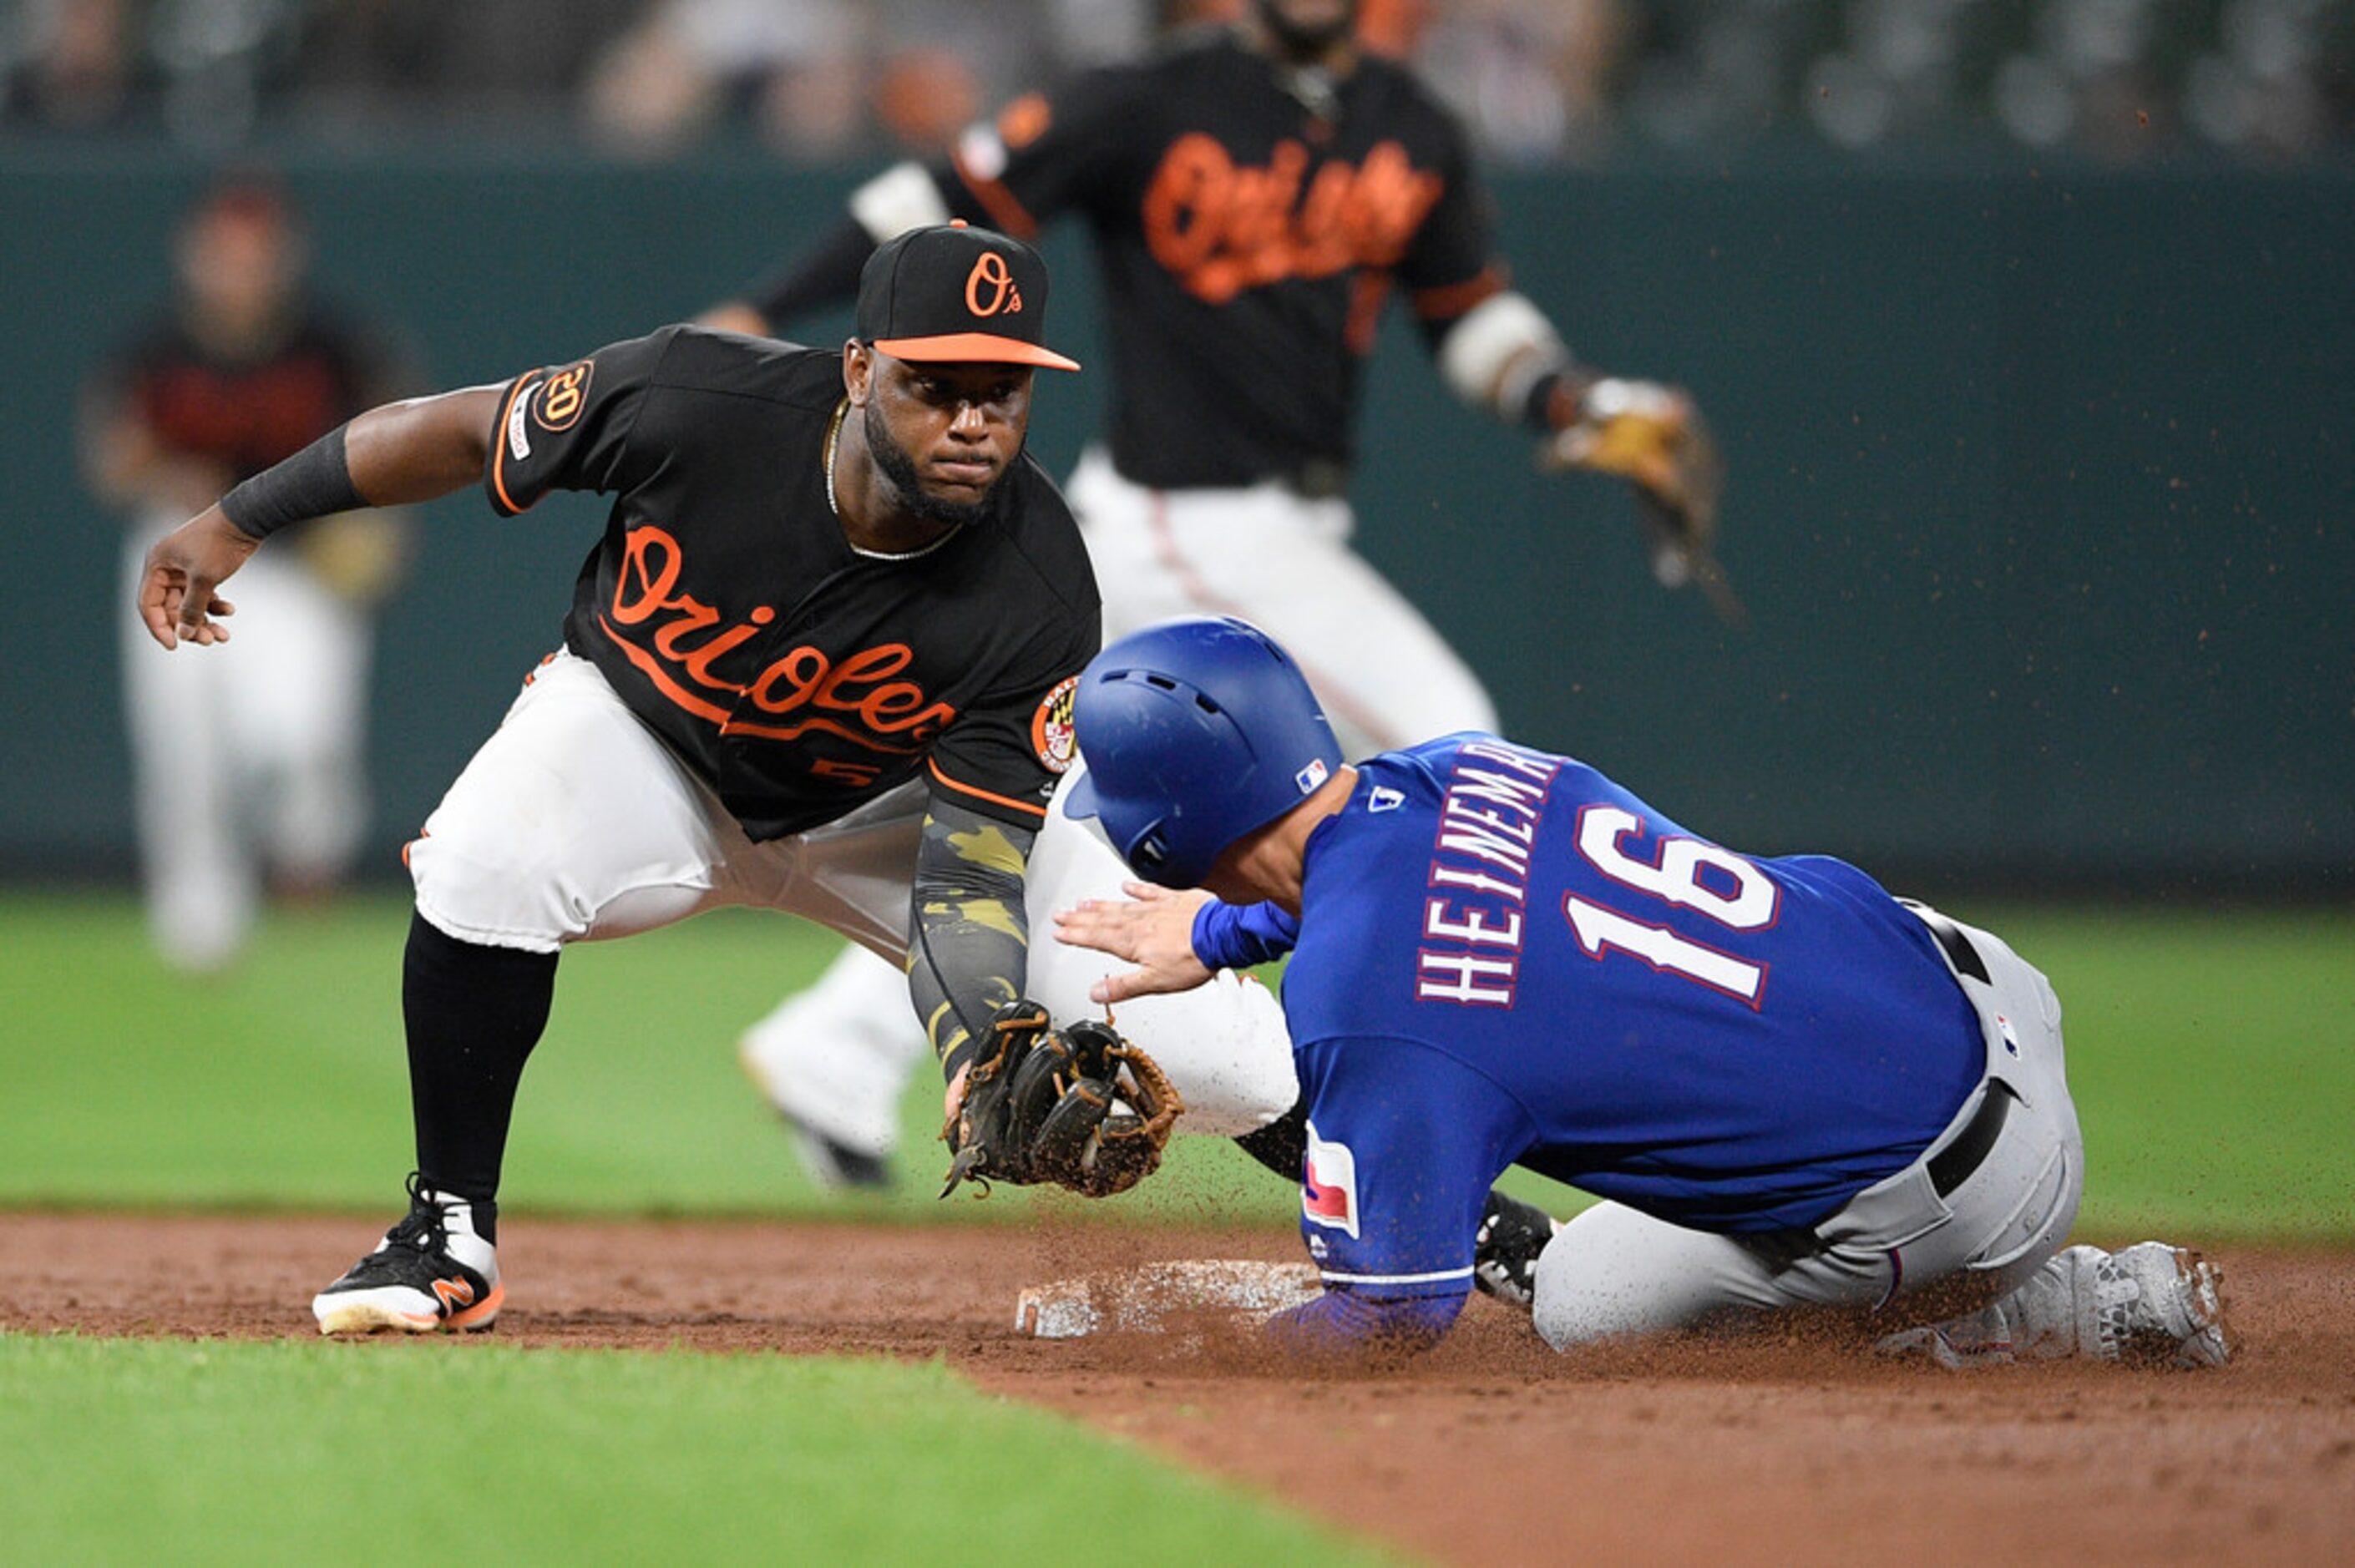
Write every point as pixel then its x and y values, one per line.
pixel 175 587
pixel 1152 928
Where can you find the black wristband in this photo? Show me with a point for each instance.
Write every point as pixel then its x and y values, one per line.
pixel 313 483
pixel 1552 401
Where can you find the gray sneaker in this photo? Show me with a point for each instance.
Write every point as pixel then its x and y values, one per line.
pixel 2157 1305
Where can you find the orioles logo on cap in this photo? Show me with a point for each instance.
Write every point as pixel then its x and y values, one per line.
pixel 992 273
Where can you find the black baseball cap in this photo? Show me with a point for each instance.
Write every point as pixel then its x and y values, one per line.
pixel 956 295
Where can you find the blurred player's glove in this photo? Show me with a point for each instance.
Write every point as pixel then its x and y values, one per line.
pixel 1079 1106
pixel 1654 437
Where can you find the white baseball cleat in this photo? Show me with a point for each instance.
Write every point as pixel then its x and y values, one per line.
pixel 834 1128
pixel 437 1270
pixel 2153 1303
pixel 2149 1305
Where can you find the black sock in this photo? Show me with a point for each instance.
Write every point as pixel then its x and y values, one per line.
pixel 474 1015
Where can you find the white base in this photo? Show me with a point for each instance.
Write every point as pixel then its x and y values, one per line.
pixel 1139 1300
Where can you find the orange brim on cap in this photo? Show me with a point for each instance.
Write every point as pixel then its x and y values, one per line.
pixel 973 348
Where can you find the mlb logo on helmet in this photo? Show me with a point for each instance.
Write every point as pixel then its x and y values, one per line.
pixel 1329 1185
pixel 1310 776
pixel 954 294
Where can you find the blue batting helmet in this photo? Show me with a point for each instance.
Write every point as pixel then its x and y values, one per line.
pixel 1196 733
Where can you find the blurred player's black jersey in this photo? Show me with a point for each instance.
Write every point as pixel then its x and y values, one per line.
pixel 798 676
pixel 1248 226
pixel 246 414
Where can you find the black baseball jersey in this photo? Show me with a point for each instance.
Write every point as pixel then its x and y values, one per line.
pixel 798 676
pixel 248 413
pixel 1246 242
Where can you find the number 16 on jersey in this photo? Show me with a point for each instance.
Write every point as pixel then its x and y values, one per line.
pixel 1684 872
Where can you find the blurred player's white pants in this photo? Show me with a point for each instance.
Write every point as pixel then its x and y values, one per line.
pixel 574 823
pixel 245 755
pixel 1613 1270
pixel 1282 562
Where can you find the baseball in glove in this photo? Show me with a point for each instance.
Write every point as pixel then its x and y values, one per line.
pixel 1654 437
pixel 1079 1106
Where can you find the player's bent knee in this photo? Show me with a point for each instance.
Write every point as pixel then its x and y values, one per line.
pixel 1612 1272
pixel 489 899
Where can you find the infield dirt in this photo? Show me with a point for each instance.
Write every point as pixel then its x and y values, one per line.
pixel 1762 1449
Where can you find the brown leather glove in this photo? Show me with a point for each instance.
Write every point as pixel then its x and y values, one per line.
pixel 1078 1106
pixel 1653 436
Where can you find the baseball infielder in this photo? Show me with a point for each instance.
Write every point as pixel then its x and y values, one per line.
pixel 244 372
pixel 1255 196
pixel 1790 1088
pixel 824 649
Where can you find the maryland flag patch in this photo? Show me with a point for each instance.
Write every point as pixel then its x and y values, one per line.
pixel 1051 734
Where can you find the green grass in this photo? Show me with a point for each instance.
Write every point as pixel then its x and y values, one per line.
pixel 2212 1056
pixel 283 1084
pixel 129 1451
pixel 2213 1060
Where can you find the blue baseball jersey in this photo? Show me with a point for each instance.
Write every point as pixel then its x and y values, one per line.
pixel 1504 958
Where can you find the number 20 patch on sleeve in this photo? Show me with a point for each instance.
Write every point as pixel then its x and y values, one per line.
pixel 557 404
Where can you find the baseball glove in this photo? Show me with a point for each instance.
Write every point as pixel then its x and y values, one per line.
pixel 1654 437
pixel 1079 1106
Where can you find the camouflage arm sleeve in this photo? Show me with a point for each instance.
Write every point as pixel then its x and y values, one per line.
pixel 971 950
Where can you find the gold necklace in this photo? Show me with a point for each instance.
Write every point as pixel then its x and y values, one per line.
pixel 832 433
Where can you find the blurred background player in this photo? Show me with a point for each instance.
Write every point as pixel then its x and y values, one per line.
pixel 1255 193
pixel 247 766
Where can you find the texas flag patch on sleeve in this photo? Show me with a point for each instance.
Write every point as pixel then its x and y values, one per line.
pixel 1328 1186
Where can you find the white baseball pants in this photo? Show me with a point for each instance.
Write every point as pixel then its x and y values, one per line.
pixel 244 754
pixel 1284 563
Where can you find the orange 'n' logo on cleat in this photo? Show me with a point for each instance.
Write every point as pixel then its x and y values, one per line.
pixel 453 1293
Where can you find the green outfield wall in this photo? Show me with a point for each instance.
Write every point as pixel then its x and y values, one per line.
pixel 2042 491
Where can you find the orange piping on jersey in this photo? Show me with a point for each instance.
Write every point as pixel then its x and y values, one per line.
pixel 1331 693
pixel 499 443
pixel 729 724
pixel 824 727
pixel 652 668
pixel 1023 806
pixel 1005 209
pixel 1447 304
